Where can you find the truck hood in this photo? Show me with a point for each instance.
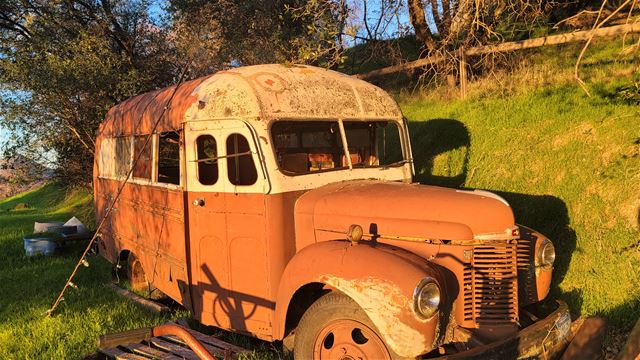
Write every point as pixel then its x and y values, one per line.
pixel 398 209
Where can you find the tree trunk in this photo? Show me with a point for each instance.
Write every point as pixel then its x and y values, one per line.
pixel 420 26
pixel 462 20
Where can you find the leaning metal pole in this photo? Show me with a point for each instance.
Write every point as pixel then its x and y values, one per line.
pixel 124 182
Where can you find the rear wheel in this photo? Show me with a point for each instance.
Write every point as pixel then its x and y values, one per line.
pixel 138 279
pixel 135 274
pixel 335 327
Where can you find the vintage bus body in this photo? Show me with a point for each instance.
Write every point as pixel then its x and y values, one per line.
pixel 247 202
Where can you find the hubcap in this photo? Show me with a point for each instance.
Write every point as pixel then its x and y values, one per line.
pixel 348 340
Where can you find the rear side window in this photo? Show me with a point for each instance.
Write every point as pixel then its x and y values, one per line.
pixel 122 156
pixel 241 168
pixel 142 152
pixel 207 159
pixel 169 158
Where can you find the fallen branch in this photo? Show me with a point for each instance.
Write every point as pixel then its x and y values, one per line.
pixel 147 304
pixel 512 46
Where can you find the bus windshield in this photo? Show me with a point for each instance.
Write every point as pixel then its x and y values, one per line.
pixel 304 147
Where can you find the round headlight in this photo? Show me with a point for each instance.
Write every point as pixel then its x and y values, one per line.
pixel 546 254
pixel 426 298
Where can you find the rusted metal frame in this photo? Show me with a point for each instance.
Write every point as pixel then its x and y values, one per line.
pixel 345 145
pixel 425 240
pixel 176 330
pixel 407 144
pixel 121 355
pixel 261 157
pixel 155 154
pixel 474 307
pixel 528 339
pixel 214 341
pixel 147 304
pixel 389 237
pixel 213 349
pixel 169 346
pixel 141 181
pixel 148 351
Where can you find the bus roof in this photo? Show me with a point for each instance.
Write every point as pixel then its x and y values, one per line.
pixel 261 93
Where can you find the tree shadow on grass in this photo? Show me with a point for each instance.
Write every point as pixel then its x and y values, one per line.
pixel 546 214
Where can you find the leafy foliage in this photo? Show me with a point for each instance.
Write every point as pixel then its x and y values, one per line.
pixel 64 63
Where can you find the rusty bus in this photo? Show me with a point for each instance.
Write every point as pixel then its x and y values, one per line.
pixel 278 201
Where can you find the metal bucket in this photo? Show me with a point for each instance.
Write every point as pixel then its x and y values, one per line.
pixel 34 245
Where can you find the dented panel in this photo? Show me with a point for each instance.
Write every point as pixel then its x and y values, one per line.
pixel 386 305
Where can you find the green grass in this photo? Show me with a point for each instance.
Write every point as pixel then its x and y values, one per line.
pixel 29 286
pixel 569 165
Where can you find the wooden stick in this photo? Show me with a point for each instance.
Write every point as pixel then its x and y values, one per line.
pixel 463 74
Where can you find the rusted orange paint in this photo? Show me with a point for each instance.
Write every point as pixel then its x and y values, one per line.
pixel 236 256
pixel 361 271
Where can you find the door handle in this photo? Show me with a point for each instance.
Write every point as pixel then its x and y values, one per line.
pixel 198 202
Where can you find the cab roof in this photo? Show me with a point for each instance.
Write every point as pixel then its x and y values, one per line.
pixel 260 93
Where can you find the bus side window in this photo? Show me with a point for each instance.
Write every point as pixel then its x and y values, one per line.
pixel 142 153
pixel 169 158
pixel 122 156
pixel 207 152
pixel 240 165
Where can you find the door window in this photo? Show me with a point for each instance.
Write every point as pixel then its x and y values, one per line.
pixel 207 159
pixel 241 168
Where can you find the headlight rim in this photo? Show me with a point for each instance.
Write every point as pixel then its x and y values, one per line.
pixel 416 298
pixel 540 256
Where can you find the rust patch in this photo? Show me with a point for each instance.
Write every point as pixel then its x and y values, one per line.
pixel 385 304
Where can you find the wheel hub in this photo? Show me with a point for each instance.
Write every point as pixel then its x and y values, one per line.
pixel 347 339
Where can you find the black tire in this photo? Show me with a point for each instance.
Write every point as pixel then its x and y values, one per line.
pixel 325 311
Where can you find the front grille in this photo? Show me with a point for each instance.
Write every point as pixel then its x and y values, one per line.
pixel 526 272
pixel 491 285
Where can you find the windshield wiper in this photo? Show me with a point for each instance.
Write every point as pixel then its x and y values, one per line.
pixel 397 163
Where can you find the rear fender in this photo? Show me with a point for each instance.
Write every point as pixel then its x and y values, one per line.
pixel 379 278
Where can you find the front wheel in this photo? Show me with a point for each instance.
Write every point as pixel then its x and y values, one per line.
pixel 335 327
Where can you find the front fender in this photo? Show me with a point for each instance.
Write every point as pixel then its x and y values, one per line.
pixel 380 278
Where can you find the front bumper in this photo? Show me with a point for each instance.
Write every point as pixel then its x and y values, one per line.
pixel 545 339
